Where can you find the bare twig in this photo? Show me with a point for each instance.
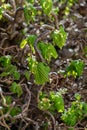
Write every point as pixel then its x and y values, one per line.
pixel 12 2
pixel 53 119
pixel 7 16
pixel 56 20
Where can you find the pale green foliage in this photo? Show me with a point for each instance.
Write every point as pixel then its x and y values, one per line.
pixel 30 39
pixel 69 4
pixel 52 102
pixel 57 101
pixel 23 43
pixel 39 69
pixel 41 73
pixel 47 51
pixel 76 112
pixel 75 68
pixel 1 10
pixel 27 74
pixel 32 63
pixel 46 5
pixel 30 1
pixel 59 37
pixel 29 13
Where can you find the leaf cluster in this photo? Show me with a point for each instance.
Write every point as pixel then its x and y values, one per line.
pixel 53 102
pixel 76 112
pixel 75 68
pixel 8 67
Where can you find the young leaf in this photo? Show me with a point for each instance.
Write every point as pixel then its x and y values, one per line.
pixel 59 37
pixel 5 60
pixel 16 88
pixel 58 101
pixel 44 104
pixel 41 73
pixel 47 50
pixel 77 96
pixel 75 68
pixel 75 113
pixel 30 40
pixel 27 74
pixel 15 111
pixel 32 63
pixel 69 117
pixel 46 5
pixel 1 10
pixel 29 13
pixel 23 43
pixel 16 75
pixel 11 70
pixel 30 1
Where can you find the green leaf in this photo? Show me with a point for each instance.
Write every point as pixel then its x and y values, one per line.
pixel 16 75
pixel 16 88
pixel 27 74
pixel 84 109
pixel 69 117
pixel 75 68
pixel 77 96
pixel 4 74
pixel 44 104
pixel 23 43
pixel 30 1
pixel 59 37
pixel 58 101
pixel 47 50
pixel 15 111
pixel 5 60
pixel 76 112
pixel 1 10
pixel 32 63
pixel 29 13
pixel 30 40
pixel 11 70
pixel 46 5
pixel 41 73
